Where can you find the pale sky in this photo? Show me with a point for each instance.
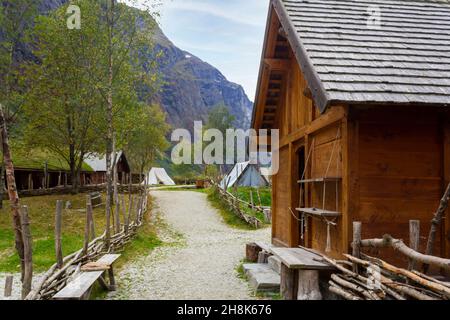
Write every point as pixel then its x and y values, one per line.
pixel 228 34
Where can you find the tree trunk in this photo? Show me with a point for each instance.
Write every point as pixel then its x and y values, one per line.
pixel 109 118
pixel 12 190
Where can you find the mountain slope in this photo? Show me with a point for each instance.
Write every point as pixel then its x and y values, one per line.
pixel 192 87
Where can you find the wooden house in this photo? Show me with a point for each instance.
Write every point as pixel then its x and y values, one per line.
pixel 363 111
pixel 98 164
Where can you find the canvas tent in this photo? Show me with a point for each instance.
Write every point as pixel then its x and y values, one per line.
pixel 158 176
pixel 244 174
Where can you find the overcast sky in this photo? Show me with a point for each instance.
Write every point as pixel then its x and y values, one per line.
pixel 228 34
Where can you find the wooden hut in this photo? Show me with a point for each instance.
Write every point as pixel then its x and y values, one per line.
pixel 98 164
pixel 364 117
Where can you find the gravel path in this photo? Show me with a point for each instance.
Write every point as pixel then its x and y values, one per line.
pixel 199 258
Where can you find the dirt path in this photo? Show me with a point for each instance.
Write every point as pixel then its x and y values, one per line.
pixel 199 258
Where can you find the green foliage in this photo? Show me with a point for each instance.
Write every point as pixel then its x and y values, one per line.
pixel 220 118
pixel 243 193
pixel 146 137
pixel 16 18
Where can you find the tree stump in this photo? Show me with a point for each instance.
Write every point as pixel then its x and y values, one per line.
pixel 308 285
pixel 252 251
pixel 288 286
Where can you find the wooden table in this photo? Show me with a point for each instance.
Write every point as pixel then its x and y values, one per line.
pixel 300 273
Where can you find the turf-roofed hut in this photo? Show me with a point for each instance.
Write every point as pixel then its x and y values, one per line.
pixel 364 119
pixel 36 169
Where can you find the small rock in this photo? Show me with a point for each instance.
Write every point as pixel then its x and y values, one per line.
pixel 68 205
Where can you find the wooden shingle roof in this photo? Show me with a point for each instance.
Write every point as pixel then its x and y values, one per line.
pixel 406 60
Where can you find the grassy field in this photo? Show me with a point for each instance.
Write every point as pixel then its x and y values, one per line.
pixel 42 216
pixel 265 194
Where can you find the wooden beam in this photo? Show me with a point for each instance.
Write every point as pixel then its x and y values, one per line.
pixel 278 64
pixel 446 142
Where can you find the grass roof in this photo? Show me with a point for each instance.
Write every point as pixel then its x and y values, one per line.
pixel 35 160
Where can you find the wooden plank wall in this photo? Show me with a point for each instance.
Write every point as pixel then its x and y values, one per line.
pixel 281 213
pixel 323 158
pixel 400 173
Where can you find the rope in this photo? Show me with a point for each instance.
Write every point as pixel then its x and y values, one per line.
pixel 328 168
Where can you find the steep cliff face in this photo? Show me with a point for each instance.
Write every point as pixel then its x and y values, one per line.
pixel 192 87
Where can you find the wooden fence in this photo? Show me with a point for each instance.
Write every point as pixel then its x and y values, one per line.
pixel 235 204
pixel 66 269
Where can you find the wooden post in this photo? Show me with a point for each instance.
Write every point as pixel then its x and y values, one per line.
pixel 251 199
pixel 130 210
pixel 28 255
pixel 65 179
pixel 259 197
pixel 45 184
pixel 59 179
pixel 90 216
pixel 8 286
pixel 58 237
pixel 356 245
pixel 124 212
pixel 414 240
pixel 288 286
pixel 30 181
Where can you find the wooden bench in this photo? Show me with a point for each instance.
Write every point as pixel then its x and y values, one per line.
pixel 300 273
pixel 80 288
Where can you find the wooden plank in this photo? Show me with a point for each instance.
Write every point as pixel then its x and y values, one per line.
pixel 317 180
pixel 79 286
pixel 277 64
pixel 446 161
pixel 297 258
pixel 108 259
pixel 319 212
pixel 288 285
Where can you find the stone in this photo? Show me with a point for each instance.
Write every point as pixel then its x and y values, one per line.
pixel 262 278
pixel 68 205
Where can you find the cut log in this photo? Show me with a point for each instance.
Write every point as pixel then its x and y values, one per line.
pixel 308 285
pixel 288 286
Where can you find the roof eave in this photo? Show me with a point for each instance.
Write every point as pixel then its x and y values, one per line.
pixel 319 94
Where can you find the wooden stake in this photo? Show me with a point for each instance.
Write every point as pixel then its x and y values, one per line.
pixel 251 199
pixel 58 237
pixel 87 228
pixel 28 255
pixel 435 222
pixel 124 212
pixel 356 245
pixel 414 240
pixel 8 286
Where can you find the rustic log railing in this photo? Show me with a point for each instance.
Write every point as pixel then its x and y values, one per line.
pixel 61 273
pixel 235 203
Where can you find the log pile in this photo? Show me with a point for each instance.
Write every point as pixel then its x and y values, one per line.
pixel 362 277
pixel 379 280
pixel 59 275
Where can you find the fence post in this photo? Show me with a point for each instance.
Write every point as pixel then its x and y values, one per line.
pixel 356 244
pixel 414 240
pixel 28 255
pixel 58 227
pixel 8 286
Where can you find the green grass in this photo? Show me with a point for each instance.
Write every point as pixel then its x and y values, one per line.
pixel 42 212
pixel 244 194
pixel 228 216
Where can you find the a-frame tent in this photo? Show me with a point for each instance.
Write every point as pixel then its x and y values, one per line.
pixel 159 176
pixel 244 174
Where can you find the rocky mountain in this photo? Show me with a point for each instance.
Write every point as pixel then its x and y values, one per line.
pixel 192 87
